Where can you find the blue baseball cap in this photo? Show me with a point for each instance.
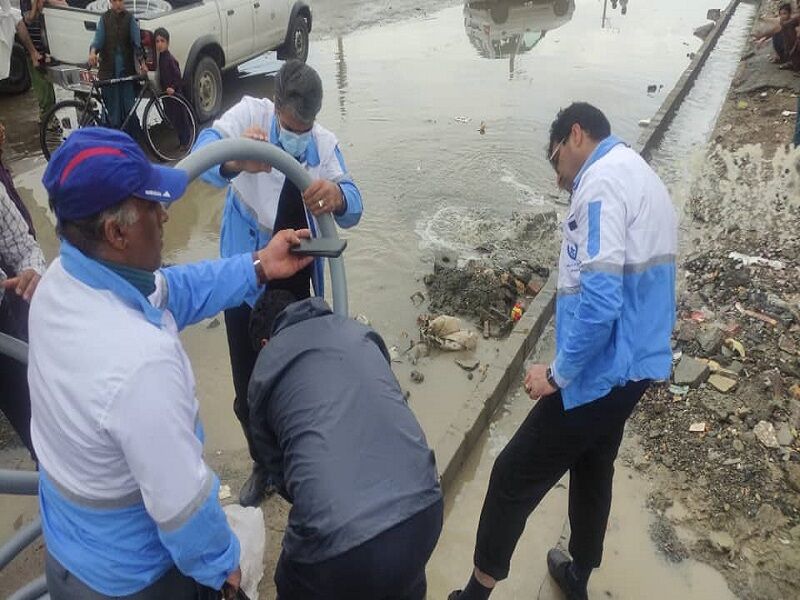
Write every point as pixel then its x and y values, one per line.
pixel 96 168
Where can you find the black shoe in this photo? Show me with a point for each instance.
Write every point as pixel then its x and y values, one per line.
pixel 256 488
pixel 558 563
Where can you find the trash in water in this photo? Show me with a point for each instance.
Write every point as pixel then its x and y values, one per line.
pixel 462 120
pixel 516 312
pixel 468 365
pixel 698 427
pixel 417 298
pixel 644 123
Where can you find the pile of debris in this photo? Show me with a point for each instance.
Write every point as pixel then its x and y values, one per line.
pixel 492 297
pixel 728 421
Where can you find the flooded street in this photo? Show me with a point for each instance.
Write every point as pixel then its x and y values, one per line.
pixel 408 86
pixel 406 91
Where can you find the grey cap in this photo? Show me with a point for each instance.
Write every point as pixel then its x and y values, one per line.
pixel 298 89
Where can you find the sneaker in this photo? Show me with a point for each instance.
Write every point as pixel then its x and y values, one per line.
pixel 257 488
pixel 558 564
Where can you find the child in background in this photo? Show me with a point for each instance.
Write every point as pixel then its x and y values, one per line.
pixel 169 76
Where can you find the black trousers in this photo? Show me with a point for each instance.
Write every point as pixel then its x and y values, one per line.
pixel 290 215
pixel 390 566
pixel 15 400
pixel 173 585
pixel 550 442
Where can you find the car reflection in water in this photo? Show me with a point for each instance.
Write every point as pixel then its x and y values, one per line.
pixel 506 28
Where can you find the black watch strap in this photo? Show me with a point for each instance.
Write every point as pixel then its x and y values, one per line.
pixel 550 379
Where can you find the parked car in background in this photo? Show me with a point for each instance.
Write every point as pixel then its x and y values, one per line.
pixel 207 37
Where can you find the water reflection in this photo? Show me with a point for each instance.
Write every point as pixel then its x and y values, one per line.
pixel 507 28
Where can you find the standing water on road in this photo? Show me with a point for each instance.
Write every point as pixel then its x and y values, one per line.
pixel 406 100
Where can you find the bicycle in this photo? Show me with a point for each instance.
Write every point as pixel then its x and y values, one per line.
pixel 163 120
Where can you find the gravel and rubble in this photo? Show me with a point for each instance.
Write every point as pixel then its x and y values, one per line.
pixel 720 440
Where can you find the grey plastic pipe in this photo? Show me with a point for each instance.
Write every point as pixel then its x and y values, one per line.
pixel 33 591
pixel 13 348
pixel 219 152
pixel 20 541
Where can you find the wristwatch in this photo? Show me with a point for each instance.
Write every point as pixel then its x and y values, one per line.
pixel 550 379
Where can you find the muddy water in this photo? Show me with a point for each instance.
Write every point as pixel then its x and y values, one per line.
pixel 632 564
pixel 406 92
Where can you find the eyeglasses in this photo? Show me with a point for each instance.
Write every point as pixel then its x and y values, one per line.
pixel 557 153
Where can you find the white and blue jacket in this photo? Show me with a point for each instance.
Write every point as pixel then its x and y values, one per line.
pixel 252 198
pixel 615 308
pixel 124 491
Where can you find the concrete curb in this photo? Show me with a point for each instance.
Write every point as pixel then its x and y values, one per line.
pixel 455 445
pixel 660 122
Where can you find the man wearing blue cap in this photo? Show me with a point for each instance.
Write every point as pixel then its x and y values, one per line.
pixel 129 507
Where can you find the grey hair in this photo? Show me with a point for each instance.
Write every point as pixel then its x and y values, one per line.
pixel 86 234
pixel 298 90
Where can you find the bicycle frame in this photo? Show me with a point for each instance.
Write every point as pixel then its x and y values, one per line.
pixel 96 94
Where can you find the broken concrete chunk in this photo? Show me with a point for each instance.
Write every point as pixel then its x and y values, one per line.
pixel 710 338
pixel 698 427
pixel 765 433
pixel 721 541
pixel 690 371
pixel 784 434
pixel 722 383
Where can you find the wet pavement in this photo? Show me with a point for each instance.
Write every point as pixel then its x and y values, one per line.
pixel 632 566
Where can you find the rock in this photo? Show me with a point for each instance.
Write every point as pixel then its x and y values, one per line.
pixel 394 354
pixel 722 383
pixel 795 391
pixel 417 377
pixel 784 434
pixel 735 367
pixel 699 427
pixel 469 364
pixel 794 533
pixel 738 445
pixel 710 338
pixel 444 259
pixel 421 350
pixel 687 331
pixel 793 476
pixel 690 371
pixel 703 31
pixel 765 433
pixel 721 541
pixel 522 273
pixel 769 518
pixel 535 285
pixel 363 319
pixel 713 14
pixel 787 344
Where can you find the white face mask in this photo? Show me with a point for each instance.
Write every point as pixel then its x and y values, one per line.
pixel 294 143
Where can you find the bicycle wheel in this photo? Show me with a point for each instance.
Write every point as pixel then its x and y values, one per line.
pixel 170 127
pixel 60 121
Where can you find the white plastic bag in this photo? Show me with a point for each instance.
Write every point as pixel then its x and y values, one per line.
pixel 248 525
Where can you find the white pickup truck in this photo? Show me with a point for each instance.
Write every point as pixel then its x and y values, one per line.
pixel 206 36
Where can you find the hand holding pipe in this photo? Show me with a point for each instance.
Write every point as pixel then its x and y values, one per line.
pixel 218 153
